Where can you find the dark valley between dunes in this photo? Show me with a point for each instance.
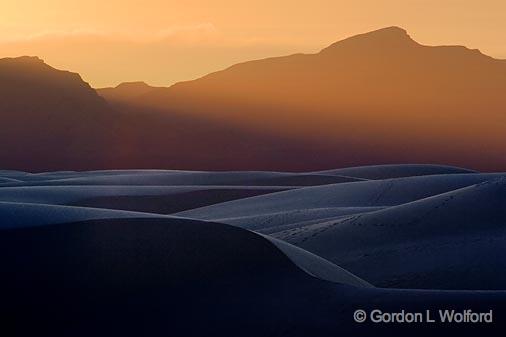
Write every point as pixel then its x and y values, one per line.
pixel 339 193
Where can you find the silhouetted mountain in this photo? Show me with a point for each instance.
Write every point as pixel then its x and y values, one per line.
pixel 376 97
pixel 125 92
pixel 27 83
pixel 50 118
pixel 53 120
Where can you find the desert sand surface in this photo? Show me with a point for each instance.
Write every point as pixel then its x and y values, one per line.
pixel 160 252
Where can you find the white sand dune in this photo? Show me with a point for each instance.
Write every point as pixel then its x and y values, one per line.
pixel 23 215
pixel 400 232
pixel 19 215
pixel 396 171
pixel 273 221
pixel 451 240
pixel 374 193
pixel 318 257
pixel 13 174
pixel 316 265
pixel 66 195
pixel 6 180
pixel 161 177
pixel 141 173
pixel 190 273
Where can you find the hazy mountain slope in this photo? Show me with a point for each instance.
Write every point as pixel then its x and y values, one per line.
pixel 53 120
pixel 28 85
pixel 379 94
pixel 49 117
pixel 378 97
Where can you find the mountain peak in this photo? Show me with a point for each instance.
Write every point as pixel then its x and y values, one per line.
pixel 126 91
pixel 385 37
pixel 31 62
pixel 392 30
pixel 134 84
pixel 30 85
pixel 26 59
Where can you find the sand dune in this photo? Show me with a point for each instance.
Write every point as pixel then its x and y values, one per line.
pixel 19 215
pixel 128 276
pixel 321 254
pixel 387 192
pixel 395 171
pixel 157 199
pixel 439 242
pixel 160 178
pixel 274 221
pixel 317 266
pixel 6 180
pixel 24 215
pixel 166 267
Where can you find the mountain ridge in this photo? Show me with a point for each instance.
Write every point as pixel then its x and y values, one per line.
pixel 56 121
pixel 357 102
pixel 358 92
pixel 391 30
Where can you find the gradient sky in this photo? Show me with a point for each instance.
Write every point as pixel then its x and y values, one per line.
pixel 162 42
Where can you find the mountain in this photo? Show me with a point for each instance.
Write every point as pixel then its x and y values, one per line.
pixel 375 97
pixel 126 92
pixel 53 120
pixel 28 84
pixel 50 118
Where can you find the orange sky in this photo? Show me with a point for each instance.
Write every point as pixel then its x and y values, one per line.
pixel 162 42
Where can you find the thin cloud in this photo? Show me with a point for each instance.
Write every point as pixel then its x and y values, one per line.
pixel 124 35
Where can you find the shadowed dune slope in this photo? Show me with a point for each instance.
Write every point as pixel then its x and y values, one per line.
pixel 172 276
pixel 153 199
pixel 162 177
pixel 20 215
pixel 140 271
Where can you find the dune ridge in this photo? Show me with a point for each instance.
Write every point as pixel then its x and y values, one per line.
pixel 297 262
